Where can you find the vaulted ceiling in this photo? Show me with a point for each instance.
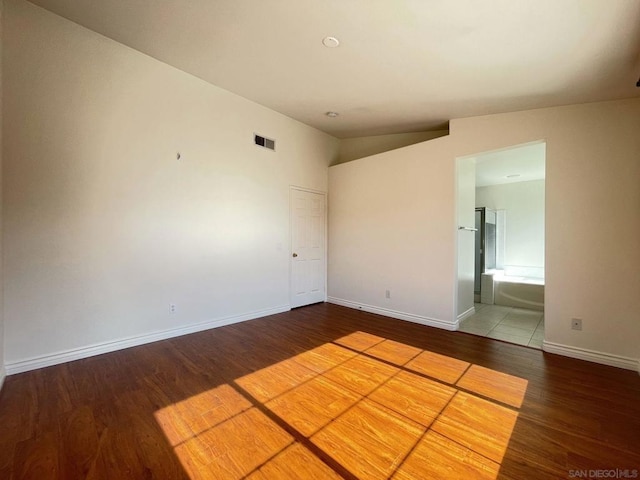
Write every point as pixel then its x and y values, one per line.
pixel 401 66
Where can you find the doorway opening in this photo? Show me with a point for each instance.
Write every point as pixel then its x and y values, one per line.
pixel 508 269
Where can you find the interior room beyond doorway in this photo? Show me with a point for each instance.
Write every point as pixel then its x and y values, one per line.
pixel 509 246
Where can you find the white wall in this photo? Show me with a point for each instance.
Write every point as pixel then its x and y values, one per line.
pixel 392 218
pixel 2 367
pixel 391 227
pixel 465 196
pixel 103 227
pixel 524 205
pixel 360 147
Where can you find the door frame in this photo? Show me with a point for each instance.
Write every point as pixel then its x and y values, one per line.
pixel 326 237
pixel 481 230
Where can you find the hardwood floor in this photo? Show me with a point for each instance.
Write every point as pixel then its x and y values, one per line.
pixel 321 392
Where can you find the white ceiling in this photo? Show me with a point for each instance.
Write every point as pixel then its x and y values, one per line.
pixel 502 166
pixel 402 65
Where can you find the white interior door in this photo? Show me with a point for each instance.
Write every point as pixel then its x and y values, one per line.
pixel 308 255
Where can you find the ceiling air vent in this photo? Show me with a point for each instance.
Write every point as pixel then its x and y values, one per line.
pixel 264 142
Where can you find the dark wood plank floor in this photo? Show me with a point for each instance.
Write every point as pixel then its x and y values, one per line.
pixel 321 392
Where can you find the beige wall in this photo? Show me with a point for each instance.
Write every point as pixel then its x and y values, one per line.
pixel 103 227
pixel 592 259
pixel 392 220
pixel 360 147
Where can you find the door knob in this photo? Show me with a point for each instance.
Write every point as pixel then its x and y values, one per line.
pixel 295 255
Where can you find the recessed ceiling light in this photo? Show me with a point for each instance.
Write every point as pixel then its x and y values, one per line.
pixel 330 42
pixel 332 114
pixel 513 175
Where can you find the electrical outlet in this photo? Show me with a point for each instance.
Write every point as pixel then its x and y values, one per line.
pixel 576 324
pixel 172 308
pixel 387 294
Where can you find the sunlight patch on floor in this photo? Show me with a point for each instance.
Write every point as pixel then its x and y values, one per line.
pixel 363 404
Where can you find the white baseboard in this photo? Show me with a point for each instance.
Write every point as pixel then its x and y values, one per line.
pixel 592 356
pixel 466 314
pixel 3 375
pixel 33 363
pixel 410 317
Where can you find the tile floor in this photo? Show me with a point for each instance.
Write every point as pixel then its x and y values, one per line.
pixel 515 325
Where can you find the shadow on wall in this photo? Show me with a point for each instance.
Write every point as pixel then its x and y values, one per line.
pixel 360 147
